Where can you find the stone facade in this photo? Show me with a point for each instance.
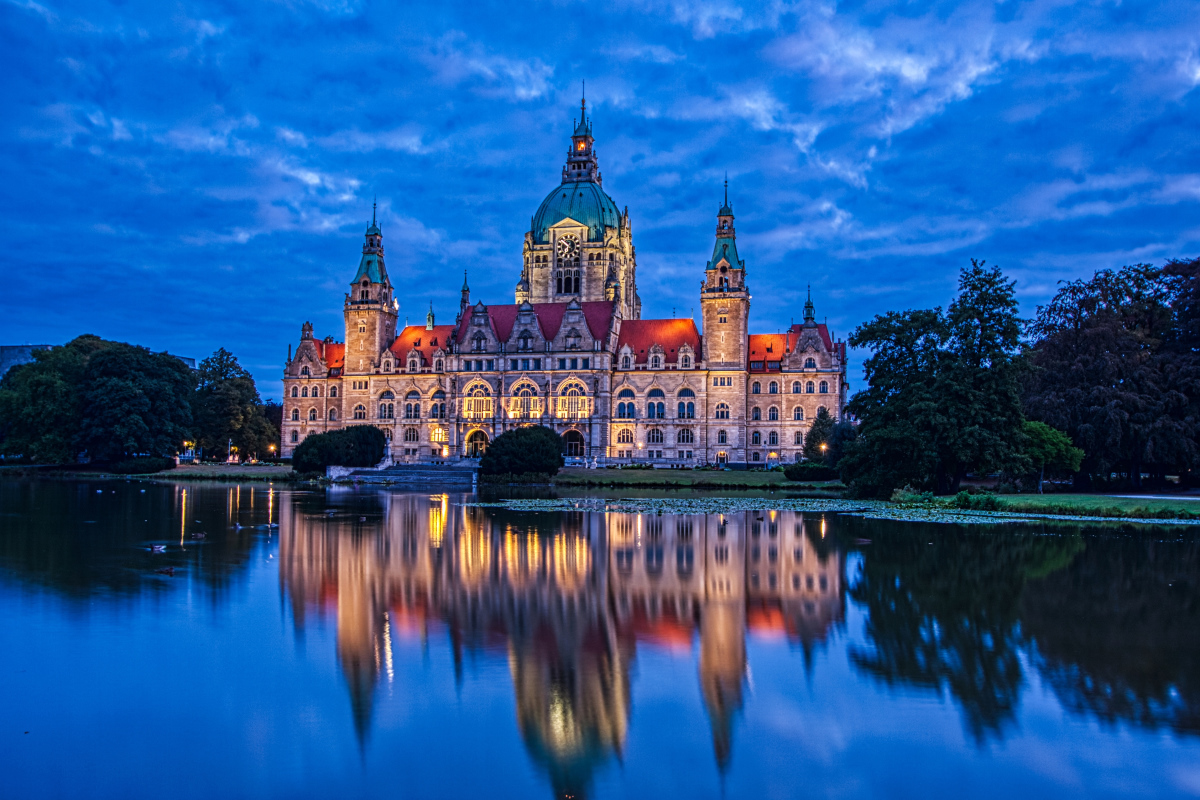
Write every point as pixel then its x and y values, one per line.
pixel 572 353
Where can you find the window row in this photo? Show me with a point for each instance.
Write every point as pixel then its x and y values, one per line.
pixel 656 361
pixel 656 436
pixel 315 391
pixel 808 387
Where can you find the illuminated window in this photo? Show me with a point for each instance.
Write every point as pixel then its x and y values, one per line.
pixel 625 436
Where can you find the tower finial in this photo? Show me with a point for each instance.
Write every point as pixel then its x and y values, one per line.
pixel 810 312
pixel 374 203
pixel 583 100
pixel 726 188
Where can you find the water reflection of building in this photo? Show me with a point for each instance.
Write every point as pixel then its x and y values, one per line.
pixel 567 597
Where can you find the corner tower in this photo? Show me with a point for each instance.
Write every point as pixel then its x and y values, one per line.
pixel 580 245
pixel 370 309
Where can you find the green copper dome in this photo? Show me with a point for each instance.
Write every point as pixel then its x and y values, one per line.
pixel 583 201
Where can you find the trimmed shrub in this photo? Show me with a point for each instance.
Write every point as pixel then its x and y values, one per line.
pixel 141 466
pixel 809 471
pixel 535 448
pixel 356 446
pixel 979 501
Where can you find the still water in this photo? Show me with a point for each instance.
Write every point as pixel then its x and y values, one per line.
pixel 311 643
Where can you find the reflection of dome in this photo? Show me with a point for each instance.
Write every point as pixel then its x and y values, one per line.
pixel 583 201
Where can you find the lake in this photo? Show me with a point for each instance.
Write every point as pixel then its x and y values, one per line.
pixel 211 640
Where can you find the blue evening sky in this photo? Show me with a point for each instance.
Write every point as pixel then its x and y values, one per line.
pixel 188 176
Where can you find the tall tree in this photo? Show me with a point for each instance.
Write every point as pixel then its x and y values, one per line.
pixel 816 441
pixel 1112 369
pixel 133 402
pixel 228 409
pixel 943 395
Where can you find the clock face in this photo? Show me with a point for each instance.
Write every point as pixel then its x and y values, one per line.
pixel 568 247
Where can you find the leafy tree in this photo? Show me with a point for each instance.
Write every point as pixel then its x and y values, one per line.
pixel 228 409
pixel 943 392
pixel 133 402
pixel 1050 448
pixel 1115 368
pixel 532 449
pixel 819 434
pixel 40 405
pixel 356 446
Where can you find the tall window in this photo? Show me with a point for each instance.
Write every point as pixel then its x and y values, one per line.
pixel 295 391
pixel 810 387
pixel 412 435
pixel 773 388
pixel 685 436
pixel 756 388
pixel 479 343
pixel 625 436
pixel 685 362
pixel 824 387
pixel 799 438
pixel 722 437
pixel 656 362
pixel 295 415
pixel 304 392
pixel 312 415
pixel 626 363
pixel 756 438
pixel 654 436
pixel 798 413
pixel 333 415
pixel 773 438
pixel 772 413
pixel 756 413
pixel 333 391
pixel 656 407
pixel 295 437
pixel 360 411
pixel 626 409
pixel 722 411
pixel 795 387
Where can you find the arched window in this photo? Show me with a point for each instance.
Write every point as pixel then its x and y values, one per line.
pixel 722 411
pixel 685 436
pixel 333 391
pixel 722 437
pixel 625 362
pixel 316 391
pixel 626 409
pixel 824 389
pixel 304 392
pixel 798 413
pixel 295 437
pixel 295 415
pixel 795 387
pixel 687 410
pixel 387 395
pixel 438 365
pixel 773 438
pixel 654 436
pixel 387 410
pixel 773 388
pixel 799 438
pixel 295 391
pixel 437 409
pixel 656 362
pixel 625 436
pixel 479 343
pixel 810 387
pixel 360 411
pixel 773 413
pixel 412 435
pixel 656 408
pixel 685 362
pixel 756 438
pixel 412 365
pixel 756 388
pixel 304 371
pixel 756 413
pixel 333 415
pixel 312 415
pixel 820 409
pixel 810 363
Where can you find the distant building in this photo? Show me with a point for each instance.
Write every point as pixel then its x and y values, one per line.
pixel 12 355
pixel 571 352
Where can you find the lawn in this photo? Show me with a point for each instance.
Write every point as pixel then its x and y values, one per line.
pixel 1063 503
pixel 231 471
pixel 676 478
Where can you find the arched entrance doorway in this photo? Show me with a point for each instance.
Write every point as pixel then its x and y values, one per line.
pixel 722 458
pixel 477 442
pixel 573 444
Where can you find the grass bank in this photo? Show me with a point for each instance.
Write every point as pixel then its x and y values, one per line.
pixel 1098 505
pixel 684 479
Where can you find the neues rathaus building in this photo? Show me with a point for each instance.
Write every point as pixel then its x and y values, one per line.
pixel 571 352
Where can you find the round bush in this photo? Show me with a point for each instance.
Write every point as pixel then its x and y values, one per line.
pixel 356 446
pixel 535 449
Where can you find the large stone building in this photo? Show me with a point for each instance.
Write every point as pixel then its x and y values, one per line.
pixel 571 352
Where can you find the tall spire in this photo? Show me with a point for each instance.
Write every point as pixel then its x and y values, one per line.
pixel 810 312
pixel 726 209
pixel 429 317
pixel 581 160
pixel 375 204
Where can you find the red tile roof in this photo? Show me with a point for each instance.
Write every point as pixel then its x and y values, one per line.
pixel 776 346
pixel 670 334
pixel 332 354
pixel 598 316
pixel 426 342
